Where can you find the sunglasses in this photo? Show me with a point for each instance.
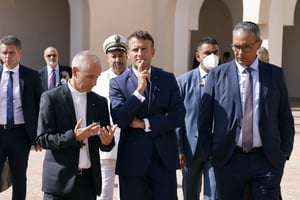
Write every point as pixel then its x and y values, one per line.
pixel 51 55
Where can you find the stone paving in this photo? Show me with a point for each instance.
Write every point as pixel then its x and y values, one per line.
pixel 290 188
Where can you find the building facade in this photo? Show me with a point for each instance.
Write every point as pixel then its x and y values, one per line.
pixel 177 25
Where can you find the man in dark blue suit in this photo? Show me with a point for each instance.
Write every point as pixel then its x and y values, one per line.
pixel 146 105
pixel 18 127
pixel 191 85
pixel 246 147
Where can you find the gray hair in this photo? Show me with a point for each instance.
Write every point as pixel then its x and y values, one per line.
pixel 11 40
pixel 264 51
pixel 248 26
pixel 82 59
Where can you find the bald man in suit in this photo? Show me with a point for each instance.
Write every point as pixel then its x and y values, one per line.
pixel 73 124
pixel 60 72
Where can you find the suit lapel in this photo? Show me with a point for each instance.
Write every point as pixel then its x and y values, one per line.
pixel 59 72
pixel 234 88
pixel 22 76
pixel 132 84
pixel 1 69
pixel 196 80
pixel 45 78
pixel 153 87
pixel 67 100
pixel 132 79
pixel 265 81
pixel 90 109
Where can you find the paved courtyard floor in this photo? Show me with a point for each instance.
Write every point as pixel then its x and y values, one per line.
pixel 289 185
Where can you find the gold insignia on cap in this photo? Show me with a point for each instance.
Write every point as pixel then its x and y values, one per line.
pixel 117 38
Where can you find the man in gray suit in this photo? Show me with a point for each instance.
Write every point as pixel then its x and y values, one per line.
pixel 192 164
pixel 246 125
pixel 68 128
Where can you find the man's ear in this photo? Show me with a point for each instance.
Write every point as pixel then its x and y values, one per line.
pixel 74 70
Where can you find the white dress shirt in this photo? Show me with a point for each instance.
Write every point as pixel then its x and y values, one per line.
pixel 256 91
pixel 203 75
pixel 79 101
pixel 18 111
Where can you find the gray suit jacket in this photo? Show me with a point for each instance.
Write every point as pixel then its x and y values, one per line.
pixel 56 123
pixel 221 114
pixel 190 90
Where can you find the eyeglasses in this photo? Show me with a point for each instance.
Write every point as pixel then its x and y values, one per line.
pixel 244 48
pixel 51 55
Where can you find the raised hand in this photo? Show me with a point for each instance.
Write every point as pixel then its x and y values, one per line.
pixel 106 134
pixel 143 76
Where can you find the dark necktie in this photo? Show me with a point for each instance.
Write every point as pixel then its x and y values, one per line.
pixel 52 79
pixel 9 100
pixel 147 94
pixel 247 130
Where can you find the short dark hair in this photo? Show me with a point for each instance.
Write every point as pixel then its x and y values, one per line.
pixel 206 40
pixel 11 40
pixel 140 34
pixel 248 26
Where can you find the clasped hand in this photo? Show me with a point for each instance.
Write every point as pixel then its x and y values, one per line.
pixel 106 134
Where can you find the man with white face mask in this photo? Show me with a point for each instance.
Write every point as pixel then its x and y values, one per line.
pixel 192 164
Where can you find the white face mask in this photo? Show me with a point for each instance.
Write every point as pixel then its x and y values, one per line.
pixel 211 61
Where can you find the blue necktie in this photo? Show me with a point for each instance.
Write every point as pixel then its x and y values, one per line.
pixel 9 101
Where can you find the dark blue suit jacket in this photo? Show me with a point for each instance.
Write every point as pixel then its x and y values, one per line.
pixel 221 114
pixel 165 113
pixel 30 92
pixel 190 89
pixel 56 123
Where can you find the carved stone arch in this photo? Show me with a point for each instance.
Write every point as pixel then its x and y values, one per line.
pixel 185 19
pixel 289 12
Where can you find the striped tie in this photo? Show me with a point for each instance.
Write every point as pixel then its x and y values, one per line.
pixel 247 141
pixel 52 80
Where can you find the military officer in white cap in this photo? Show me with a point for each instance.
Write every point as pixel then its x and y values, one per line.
pixel 115 48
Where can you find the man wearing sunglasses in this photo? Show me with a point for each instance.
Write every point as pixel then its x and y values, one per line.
pixel 53 74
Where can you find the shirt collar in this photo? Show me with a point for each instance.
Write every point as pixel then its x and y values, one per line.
pixel 74 91
pixel 112 73
pixel 202 72
pixel 15 69
pixel 136 72
pixel 242 68
pixel 50 68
